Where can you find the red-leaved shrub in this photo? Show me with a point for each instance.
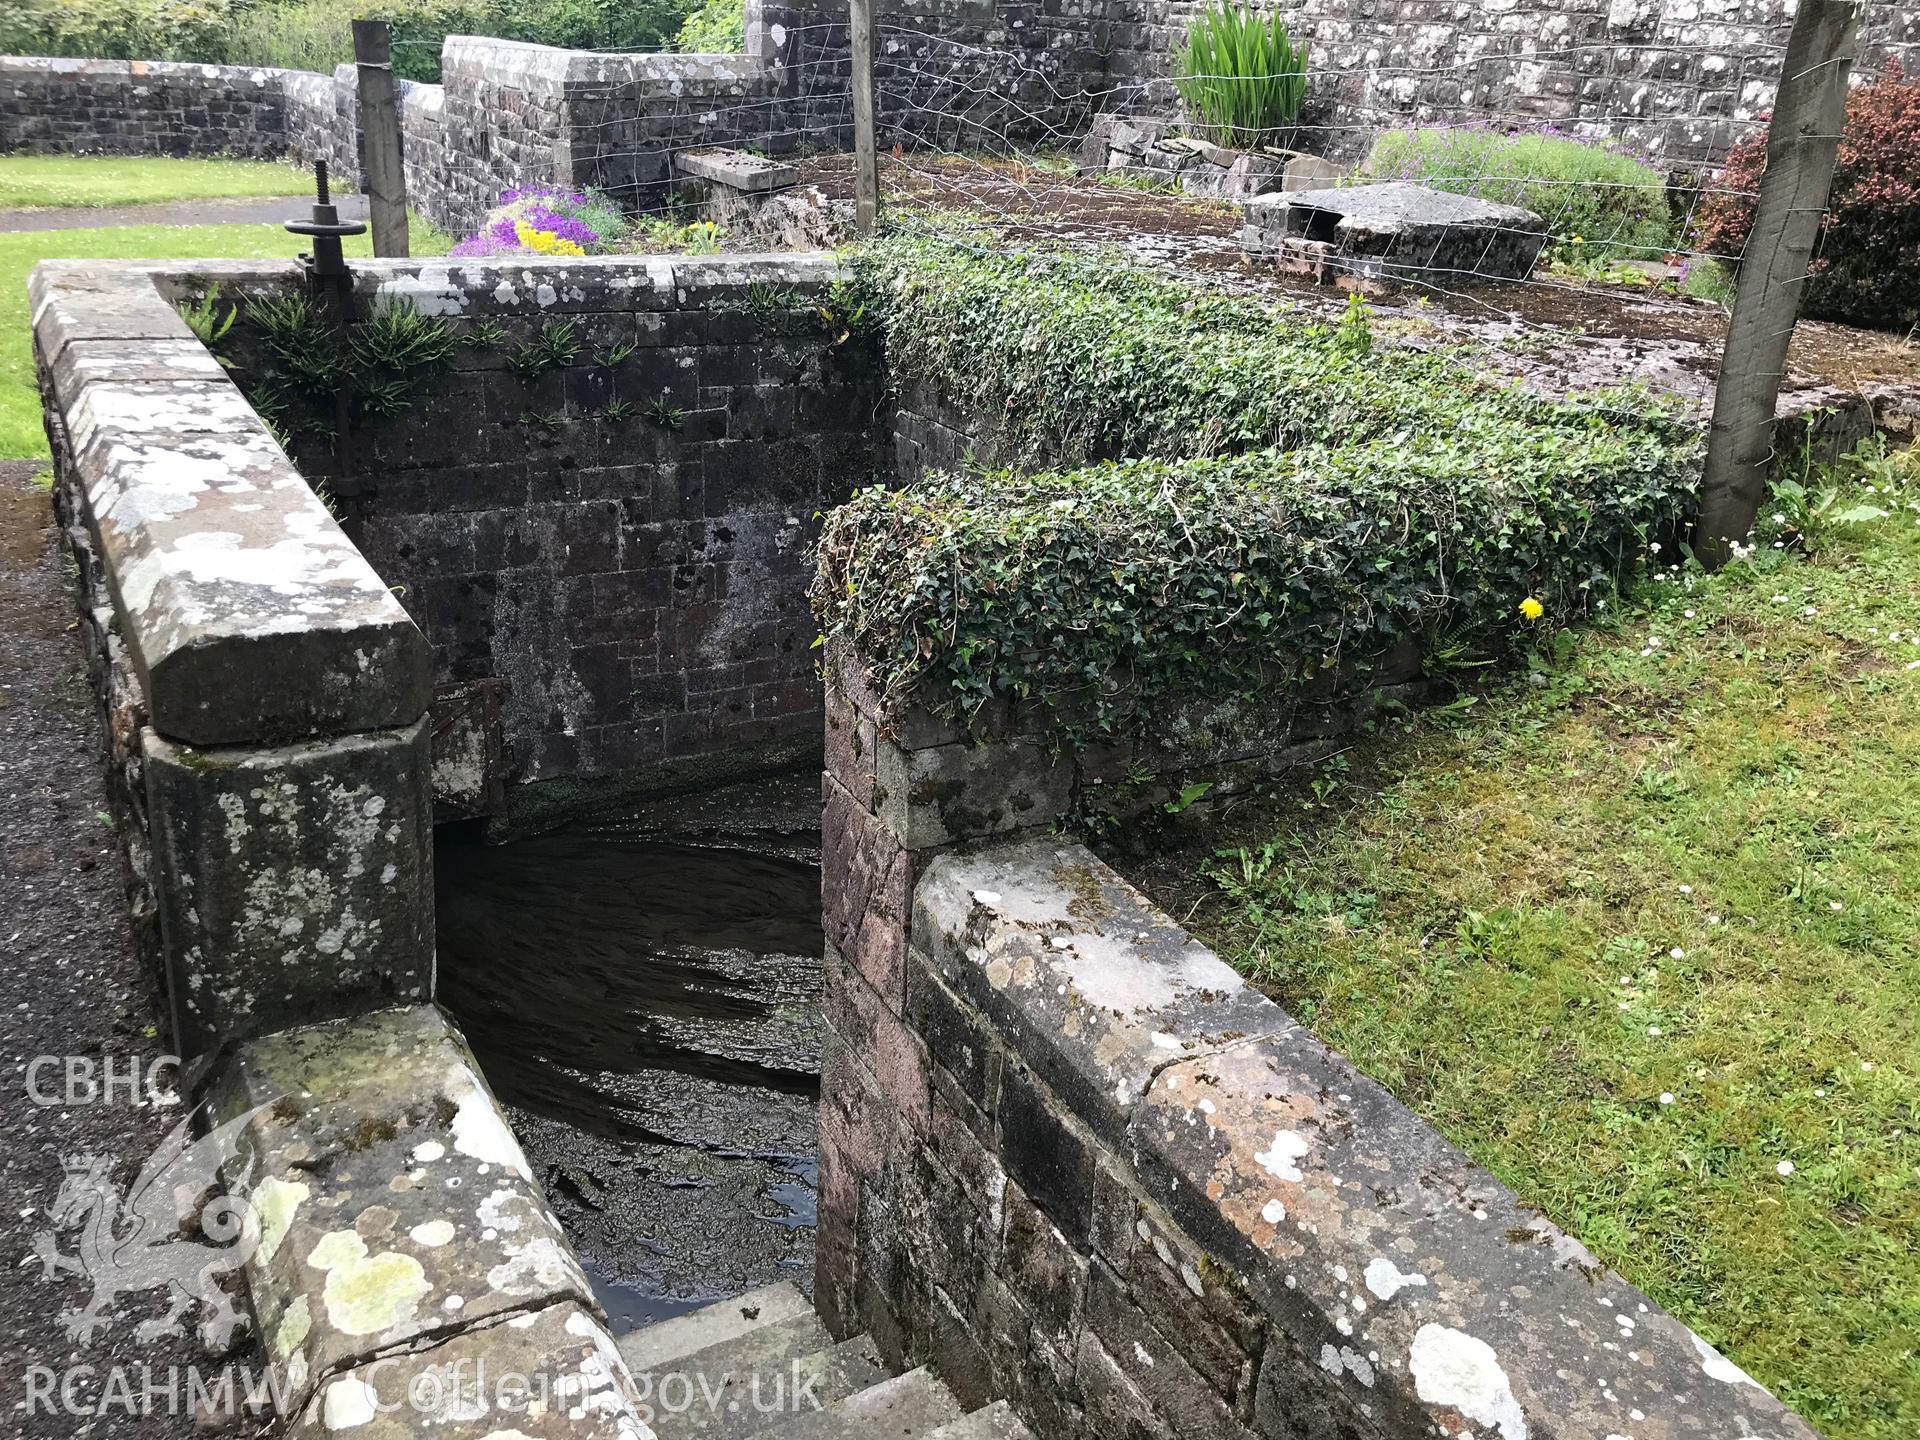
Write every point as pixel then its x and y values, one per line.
pixel 1866 268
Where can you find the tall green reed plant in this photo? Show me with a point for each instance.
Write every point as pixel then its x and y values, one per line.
pixel 1241 76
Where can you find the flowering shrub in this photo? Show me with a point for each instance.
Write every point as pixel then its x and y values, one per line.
pixel 1597 201
pixel 547 220
pixel 1866 267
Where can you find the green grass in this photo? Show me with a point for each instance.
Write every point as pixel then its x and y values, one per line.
pixel 21 436
pixel 1643 929
pixel 34 182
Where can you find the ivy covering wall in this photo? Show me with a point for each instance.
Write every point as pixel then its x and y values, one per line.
pixel 1212 494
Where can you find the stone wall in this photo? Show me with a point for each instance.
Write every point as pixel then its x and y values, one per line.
pixel 1677 79
pixel 639 587
pixel 140 107
pixel 1068 1157
pixel 949 74
pixel 265 693
pixel 1680 79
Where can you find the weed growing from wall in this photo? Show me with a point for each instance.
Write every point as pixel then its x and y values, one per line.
pixel 296 366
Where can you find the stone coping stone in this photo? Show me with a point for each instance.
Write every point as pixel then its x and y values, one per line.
pixel 394 1204
pixel 737 170
pixel 564 286
pixel 1391 208
pixel 550 71
pixel 1420 1285
pixel 1043 937
pixel 550 1375
pixel 260 75
pixel 249 615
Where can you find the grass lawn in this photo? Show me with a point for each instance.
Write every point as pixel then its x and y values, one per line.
pixel 1642 935
pixel 32 182
pixel 21 436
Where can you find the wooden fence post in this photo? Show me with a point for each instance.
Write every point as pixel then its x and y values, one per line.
pixel 866 154
pixel 1809 111
pixel 384 155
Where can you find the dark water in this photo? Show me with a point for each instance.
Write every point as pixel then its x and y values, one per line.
pixel 643 993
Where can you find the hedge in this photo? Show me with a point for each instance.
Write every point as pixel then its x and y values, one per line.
pixel 1405 499
pixel 1091 357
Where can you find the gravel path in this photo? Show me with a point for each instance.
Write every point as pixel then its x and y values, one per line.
pixel 273 210
pixel 70 985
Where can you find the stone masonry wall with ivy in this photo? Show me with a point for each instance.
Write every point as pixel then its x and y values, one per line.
pixel 604 493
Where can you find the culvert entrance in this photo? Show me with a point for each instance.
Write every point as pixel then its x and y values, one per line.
pixel 642 990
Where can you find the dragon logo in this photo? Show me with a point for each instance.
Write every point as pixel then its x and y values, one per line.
pixel 176 1229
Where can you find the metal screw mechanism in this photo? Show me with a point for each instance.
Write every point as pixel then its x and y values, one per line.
pixel 328 276
pixel 326 227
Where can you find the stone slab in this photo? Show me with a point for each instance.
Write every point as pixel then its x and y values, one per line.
pixel 666 1341
pixel 294 884
pixel 737 170
pixel 551 1375
pixel 1398 206
pixel 1396 230
pixel 394 1203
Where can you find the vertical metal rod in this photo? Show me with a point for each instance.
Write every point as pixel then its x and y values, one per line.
pixel 866 153
pixel 1809 113
pixel 383 152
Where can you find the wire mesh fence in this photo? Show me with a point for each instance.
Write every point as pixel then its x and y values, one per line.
pixel 1587 230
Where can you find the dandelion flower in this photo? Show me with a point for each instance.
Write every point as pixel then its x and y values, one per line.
pixel 1531 608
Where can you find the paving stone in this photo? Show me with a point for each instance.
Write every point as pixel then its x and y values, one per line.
pixel 743 1386
pixel 737 170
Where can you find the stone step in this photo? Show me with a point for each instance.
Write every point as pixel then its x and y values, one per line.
pixel 712 1394
pixel 656 1346
pixel 903 1408
pixel 992 1422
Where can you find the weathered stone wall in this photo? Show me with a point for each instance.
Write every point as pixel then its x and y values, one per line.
pixel 640 587
pixel 1068 1157
pixel 140 107
pixel 1677 79
pixel 265 693
pixel 951 74
pixel 1680 79
pixel 516 114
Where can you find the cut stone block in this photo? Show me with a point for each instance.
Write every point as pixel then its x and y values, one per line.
pixel 1103 989
pixel 393 1200
pixel 294 884
pixel 737 170
pixel 946 792
pixel 554 1375
pixel 249 615
pixel 1398 231
pixel 654 1346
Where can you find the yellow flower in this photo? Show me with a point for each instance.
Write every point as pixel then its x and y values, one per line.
pixel 544 242
pixel 1531 608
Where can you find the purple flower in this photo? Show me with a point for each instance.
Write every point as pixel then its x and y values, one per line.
pixel 567 227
